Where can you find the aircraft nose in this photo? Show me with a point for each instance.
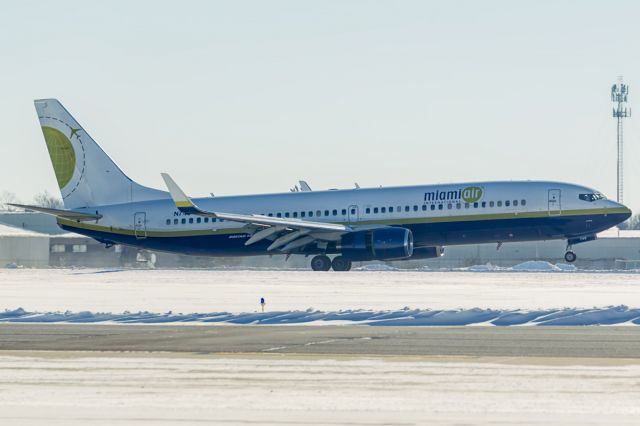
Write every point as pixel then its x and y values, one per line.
pixel 619 209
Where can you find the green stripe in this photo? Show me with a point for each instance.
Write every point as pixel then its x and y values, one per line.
pixel 495 216
pixel 408 221
pixel 131 232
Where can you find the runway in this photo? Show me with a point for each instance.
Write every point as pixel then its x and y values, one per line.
pixel 69 354
pixel 570 342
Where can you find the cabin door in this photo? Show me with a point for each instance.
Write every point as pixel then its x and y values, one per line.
pixel 555 207
pixel 140 225
pixel 353 214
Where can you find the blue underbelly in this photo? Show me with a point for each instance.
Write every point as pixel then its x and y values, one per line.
pixel 425 234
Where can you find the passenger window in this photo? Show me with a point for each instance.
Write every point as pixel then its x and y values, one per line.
pixel 198 220
pixel 344 212
pixel 175 221
pixel 214 220
pixel 523 202
pixel 475 205
pixel 499 203
pixel 286 214
pixel 458 206
pixel 303 214
pixel 449 206
pixel 383 209
pixel 466 205
pixel 491 203
pixel 168 221
pixel 295 214
pixel 319 213
pixel 433 206
pixel 390 209
pixel 183 221
pixel 424 207
pixel 206 220
pixel 279 214
pixel 335 212
pixel 353 211
pixel 484 204
pixel 367 210
pixel 415 208
pixel 399 209
pixel 190 220
pixel 406 208
pixel 270 215
pixel 440 206
pixel 326 212
pixel 515 203
pixel 375 210
pixel 507 203
pixel 311 214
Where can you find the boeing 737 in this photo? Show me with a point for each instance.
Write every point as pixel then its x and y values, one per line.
pixel 360 224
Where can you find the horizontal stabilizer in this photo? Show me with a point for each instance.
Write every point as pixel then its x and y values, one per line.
pixel 63 214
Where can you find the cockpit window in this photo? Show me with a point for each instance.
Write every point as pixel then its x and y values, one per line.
pixel 595 196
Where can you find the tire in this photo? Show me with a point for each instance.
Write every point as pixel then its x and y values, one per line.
pixel 341 264
pixel 570 257
pixel 321 263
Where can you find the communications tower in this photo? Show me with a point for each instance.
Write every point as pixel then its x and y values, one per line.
pixel 619 97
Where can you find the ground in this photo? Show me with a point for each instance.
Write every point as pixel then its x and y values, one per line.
pixel 173 373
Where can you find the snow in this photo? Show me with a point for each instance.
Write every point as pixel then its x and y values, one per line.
pixel 313 297
pixel 615 315
pixel 529 266
pixel 10 231
pixel 105 389
pixel 619 233
pixel 376 267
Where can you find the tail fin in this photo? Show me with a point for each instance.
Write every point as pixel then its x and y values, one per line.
pixel 87 177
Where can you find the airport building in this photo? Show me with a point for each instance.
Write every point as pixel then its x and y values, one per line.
pixel 20 247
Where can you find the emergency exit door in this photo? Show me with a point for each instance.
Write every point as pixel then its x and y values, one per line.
pixel 140 225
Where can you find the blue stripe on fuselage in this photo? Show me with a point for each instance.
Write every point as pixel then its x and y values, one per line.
pixel 425 234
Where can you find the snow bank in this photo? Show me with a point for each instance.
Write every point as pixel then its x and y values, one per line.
pixel 529 266
pixel 376 267
pixel 614 315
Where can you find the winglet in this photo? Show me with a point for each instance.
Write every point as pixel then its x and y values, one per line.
pixel 183 203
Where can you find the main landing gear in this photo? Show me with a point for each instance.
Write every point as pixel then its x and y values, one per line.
pixel 570 256
pixel 323 263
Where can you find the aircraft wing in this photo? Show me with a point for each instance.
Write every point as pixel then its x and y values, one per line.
pixel 63 214
pixel 289 233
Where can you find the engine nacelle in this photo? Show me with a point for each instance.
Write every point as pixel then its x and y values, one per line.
pixel 427 252
pixel 377 244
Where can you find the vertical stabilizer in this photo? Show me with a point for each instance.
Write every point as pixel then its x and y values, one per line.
pixel 86 176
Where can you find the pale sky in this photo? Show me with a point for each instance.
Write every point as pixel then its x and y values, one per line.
pixel 241 97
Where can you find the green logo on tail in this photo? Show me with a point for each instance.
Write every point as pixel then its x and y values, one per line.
pixel 62 154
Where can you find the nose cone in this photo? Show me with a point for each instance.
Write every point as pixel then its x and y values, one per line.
pixel 618 210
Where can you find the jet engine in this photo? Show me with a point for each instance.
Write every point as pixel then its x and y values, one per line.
pixel 377 244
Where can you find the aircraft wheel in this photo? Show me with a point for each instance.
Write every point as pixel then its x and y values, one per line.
pixel 339 263
pixel 321 263
pixel 570 257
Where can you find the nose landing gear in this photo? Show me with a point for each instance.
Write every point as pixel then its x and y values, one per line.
pixel 570 257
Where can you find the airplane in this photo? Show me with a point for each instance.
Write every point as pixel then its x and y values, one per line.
pixel 358 224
